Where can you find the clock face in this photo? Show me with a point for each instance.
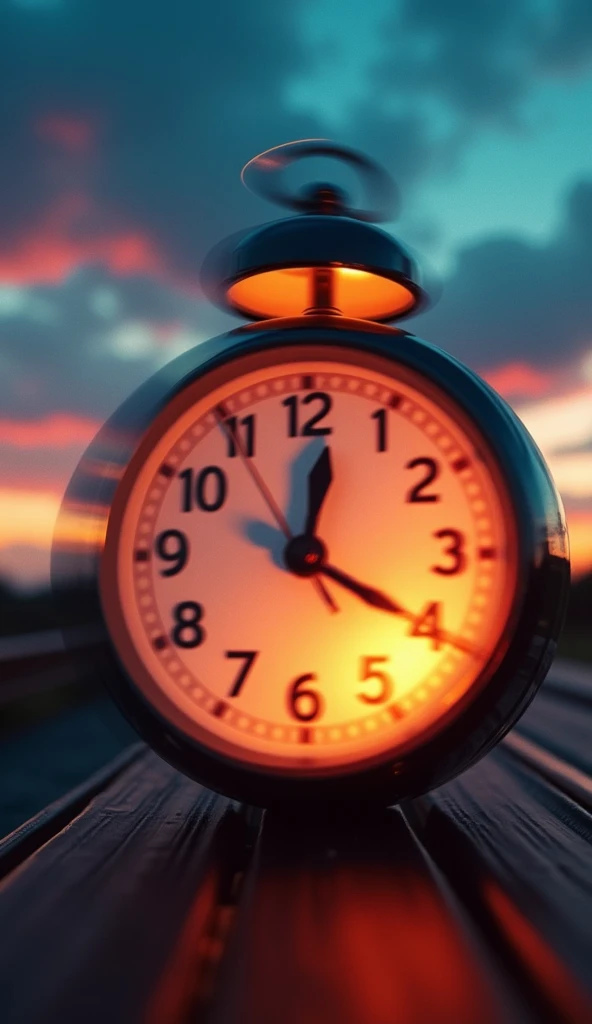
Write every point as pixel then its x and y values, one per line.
pixel 310 561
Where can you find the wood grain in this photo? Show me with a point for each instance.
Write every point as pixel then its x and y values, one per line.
pixel 26 840
pixel 90 921
pixel 518 853
pixel 138 898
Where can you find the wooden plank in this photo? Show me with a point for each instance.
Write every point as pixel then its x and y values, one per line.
pixel 24 841
pixel 518 853
pixel 561 724
pixel 575 784
pixel 94 916
pixel 345 922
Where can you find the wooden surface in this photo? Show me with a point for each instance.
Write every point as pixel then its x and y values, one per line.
pixel 143 897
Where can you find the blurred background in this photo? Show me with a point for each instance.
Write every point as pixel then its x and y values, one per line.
pixel 124 125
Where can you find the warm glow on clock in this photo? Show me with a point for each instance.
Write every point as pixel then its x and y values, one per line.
pixel 289 291
pixel 229 629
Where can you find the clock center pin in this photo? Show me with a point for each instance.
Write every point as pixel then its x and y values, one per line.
pixel 304 555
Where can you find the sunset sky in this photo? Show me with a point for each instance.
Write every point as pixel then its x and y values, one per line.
pixel 125 124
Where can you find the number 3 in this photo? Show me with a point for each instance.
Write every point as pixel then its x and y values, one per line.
pixel 456 551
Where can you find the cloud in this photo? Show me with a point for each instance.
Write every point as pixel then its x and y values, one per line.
pixel 479 61
pixel 151 113
pixel 57 246
pixel 568 44
pixel 518 379
pixel 81 347
pixel 73 134
pixel 58 431
pixel 507 296
pixel 149 117
pixel 561 424
pixel 123 135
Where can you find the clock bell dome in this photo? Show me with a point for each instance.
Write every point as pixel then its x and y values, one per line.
pixel 330 260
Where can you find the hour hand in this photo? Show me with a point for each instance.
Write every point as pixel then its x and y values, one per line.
pixel 319 481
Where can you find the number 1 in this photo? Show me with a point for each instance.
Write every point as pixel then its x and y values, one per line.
pixel 380 417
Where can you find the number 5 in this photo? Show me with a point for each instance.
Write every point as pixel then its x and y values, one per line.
pixel 367 671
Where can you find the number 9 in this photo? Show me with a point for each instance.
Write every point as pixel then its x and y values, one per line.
pixel 172 546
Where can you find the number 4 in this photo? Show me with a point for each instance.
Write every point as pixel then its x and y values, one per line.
pixel 428 624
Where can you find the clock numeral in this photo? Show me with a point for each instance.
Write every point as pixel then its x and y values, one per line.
pixel 428 624
pixel 368 672
pixel 381 438
pixel 417 493
pixel 309 428
pixel 248 446
pixel 187 631
pixel 303 703
pixel 248 658
pixel 455 551
pixel 208 489
pixel 172 546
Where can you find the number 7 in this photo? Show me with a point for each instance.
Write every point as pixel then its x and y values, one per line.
pixel 249 657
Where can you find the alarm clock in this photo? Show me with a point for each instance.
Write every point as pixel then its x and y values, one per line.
pixel 325 560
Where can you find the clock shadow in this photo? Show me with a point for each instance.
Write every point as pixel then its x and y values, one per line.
pixel 260 532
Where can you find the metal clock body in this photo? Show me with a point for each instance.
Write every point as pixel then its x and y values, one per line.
pixel 327 562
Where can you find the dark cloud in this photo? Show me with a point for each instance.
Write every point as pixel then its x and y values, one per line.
pixel 507 296
pixel 81 347
pixel 151 109
pixel 84 346
pixel 125 116
pixel 481 59
pixel 568 44
pixel 178 96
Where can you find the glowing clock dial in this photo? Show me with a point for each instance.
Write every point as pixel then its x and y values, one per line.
pixel 311 560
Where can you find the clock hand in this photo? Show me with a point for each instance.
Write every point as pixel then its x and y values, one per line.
pixel 370 595
pixel 319 481
pixel 262 487
pixel 270 501
pixel 378 599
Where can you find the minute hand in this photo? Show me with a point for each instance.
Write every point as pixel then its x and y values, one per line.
pixel 378 599
pixel 370 595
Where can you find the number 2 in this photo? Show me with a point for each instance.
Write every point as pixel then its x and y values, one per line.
pixel 417 493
